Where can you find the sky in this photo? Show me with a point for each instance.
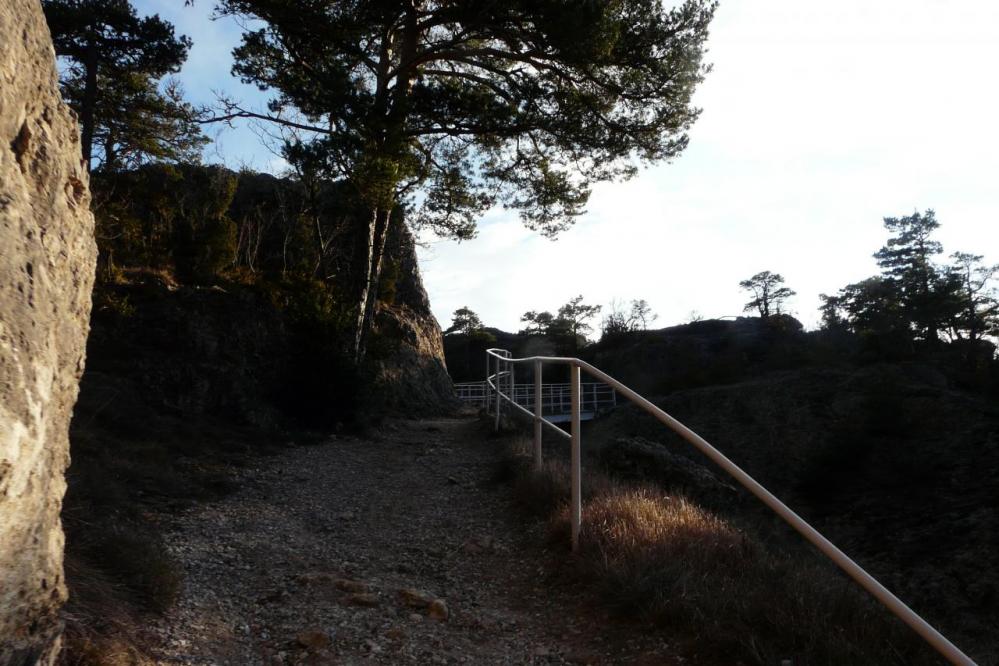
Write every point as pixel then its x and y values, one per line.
pixel 819 119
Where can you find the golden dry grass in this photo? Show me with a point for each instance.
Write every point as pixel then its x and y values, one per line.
pixel 722 594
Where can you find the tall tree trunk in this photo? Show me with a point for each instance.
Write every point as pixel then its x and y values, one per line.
pixel 89 102
pixel 371 268
pixel 392 144
pixel 321 268
pixel 929 307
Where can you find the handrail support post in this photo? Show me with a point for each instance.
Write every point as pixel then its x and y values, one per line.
pixel 537 415
pixel 485 387
pixel 513 386
pixel 576 501
pixel 499 392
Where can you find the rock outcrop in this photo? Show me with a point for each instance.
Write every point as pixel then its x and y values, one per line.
pixel 411 373
pixel 47 256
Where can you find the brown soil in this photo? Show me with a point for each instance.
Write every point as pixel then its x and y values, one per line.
pixel 305 564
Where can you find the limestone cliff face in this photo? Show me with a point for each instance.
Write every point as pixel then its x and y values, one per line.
pixel 47 256
pixel 412 376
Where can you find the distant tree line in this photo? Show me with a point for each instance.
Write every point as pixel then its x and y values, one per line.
pixel 914 305
pixel 917 304
pixel 619 320
pixel 568 328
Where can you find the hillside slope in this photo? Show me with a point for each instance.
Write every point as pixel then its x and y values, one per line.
pixel 895 467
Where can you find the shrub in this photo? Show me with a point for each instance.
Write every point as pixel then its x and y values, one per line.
pixel 205 234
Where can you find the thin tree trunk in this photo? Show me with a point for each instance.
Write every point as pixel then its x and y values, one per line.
pixel 89 102
pixel 376 237
pixel 390 141
pixel 365 265
pixel 110 155
pixel 284 252
pixel 320 250
pixel 321 268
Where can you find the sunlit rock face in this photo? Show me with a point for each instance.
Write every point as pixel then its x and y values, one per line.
pixel 47 255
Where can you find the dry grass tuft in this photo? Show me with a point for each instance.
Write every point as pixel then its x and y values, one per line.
pixel 101 624
pixel 718 590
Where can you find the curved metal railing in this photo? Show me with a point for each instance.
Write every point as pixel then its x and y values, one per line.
pixel 494 380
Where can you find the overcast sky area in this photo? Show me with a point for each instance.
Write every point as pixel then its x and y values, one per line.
pixel 819 119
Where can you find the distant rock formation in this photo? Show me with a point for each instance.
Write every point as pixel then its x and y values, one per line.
pixel 47 256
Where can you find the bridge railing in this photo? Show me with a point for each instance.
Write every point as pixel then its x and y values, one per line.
pixel 500 376
pixel 556 399
pixel 471 392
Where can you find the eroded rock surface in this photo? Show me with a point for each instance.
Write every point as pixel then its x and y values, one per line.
pixel 47 256
pixel 411 373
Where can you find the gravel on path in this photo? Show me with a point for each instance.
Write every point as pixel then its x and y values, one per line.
pixel 392 549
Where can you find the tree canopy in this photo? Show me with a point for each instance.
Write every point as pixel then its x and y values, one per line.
pixel 976 311
pixel 115 63
pixel 538 323
pixel 464 322
pixel 576 316
pixel 620 321
pixel 907 260
pixel 769 293
pixel 525 104
pixel 916 301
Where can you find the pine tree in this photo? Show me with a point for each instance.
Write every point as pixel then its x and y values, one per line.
pixel 906 260
pixel 474 103
pixel 115 62
pixel 641 315
pixel 464 322
pixel 538 323
pixel 573 320
pixel 976 311
pixel 769 293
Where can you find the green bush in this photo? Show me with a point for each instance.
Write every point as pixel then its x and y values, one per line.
pixel 205 236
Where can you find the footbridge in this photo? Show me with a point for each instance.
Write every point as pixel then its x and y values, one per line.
pixel 595 398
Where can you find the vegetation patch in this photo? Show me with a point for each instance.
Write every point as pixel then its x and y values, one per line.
pixel 722 592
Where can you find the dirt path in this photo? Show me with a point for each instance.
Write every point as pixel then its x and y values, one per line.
pixel 306 564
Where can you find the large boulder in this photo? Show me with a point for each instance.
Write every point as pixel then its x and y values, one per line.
pixel 47 256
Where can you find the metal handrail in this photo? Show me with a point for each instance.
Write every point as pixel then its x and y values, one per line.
pixel 554 426
pixel 933 637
